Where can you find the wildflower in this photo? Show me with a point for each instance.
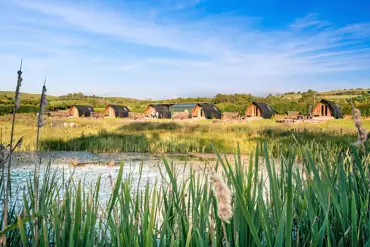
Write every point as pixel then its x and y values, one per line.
pixel 223 197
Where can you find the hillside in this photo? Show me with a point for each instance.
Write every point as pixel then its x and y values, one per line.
pixel 331 95
pixel 25 96
pixel 282 103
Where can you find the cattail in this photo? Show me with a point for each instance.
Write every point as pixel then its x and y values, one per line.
pixel 362 133
pixel 7 182
pixel 223 197
pixel 40 123
pixel 43 104
pixel 17 91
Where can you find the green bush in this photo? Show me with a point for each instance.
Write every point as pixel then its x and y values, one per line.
pixel 7 109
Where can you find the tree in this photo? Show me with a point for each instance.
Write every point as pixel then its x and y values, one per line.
pixel 308 96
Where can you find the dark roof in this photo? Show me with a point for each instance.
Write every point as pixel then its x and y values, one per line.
pixel 84 110
pixel 160 105
pixel 211 111
pixel 120 110
pixel 335 110
pixel 162 109
pixel 266 110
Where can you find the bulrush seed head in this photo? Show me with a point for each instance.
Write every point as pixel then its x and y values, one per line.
pixel 223 197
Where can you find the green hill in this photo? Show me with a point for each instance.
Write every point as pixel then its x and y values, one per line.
pixel 282 103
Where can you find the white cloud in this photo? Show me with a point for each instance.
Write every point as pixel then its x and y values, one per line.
pixel 223 53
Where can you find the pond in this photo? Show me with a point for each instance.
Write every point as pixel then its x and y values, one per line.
pixel 91 166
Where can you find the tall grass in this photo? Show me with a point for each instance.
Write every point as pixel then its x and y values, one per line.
pixel 115 135
pixel 279 142
pixel 313 202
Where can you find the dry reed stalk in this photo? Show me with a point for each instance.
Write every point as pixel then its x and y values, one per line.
pixel 40 123
pixel 362 133
pixel 223 197
pixel 7 186
pixel 212 224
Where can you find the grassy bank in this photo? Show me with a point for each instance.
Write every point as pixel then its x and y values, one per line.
pixel 117 135
pixel 319 202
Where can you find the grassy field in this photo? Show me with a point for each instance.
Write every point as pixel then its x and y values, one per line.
pixel 167 136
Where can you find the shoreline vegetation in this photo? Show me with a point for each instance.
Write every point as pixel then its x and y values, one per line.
pixel 321 202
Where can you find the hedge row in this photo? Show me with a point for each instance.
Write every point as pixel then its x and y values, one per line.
pixel 6 109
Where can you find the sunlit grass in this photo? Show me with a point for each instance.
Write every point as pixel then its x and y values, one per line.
pixel 112 135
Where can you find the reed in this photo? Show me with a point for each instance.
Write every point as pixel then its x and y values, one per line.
pixel 7 187
pixel 40 123
pixel 313 202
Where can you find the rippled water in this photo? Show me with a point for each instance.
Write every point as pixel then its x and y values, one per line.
pixel 94 165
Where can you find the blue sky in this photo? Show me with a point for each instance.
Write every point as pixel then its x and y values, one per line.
pixel 171 48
